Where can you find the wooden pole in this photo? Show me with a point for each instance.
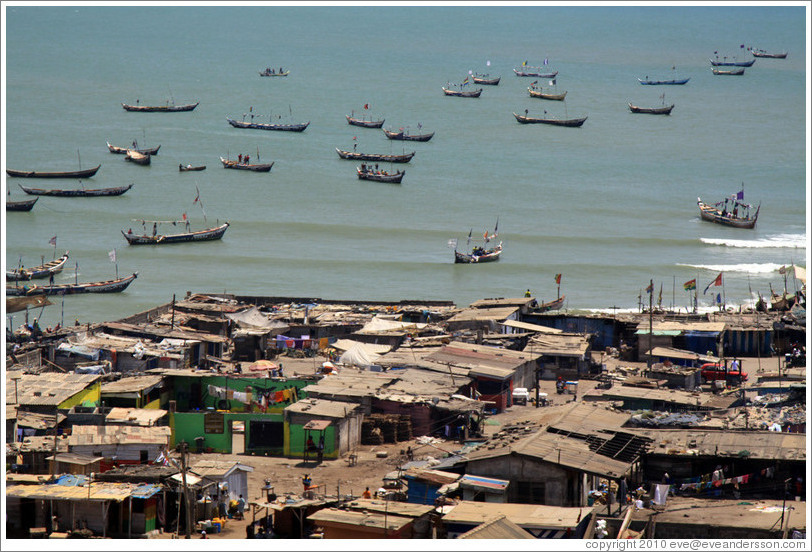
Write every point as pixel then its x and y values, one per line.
pixel 183 451
pixel 650 320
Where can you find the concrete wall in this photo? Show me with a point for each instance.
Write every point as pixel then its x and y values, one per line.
pixel 561 487
pixel 90 394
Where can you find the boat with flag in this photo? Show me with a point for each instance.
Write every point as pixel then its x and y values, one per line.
pixel 732 211
pixel 461 90
pixel 530 71
pixel 483 253
pixel 289 127
pixel 764 54
pixel 364 121
pixel 123 150
pixel 566 122
pixel 538 92
pixel 272 72
pixel 716 62
pixel 207 234
pixel 485 79
pixel 37 272
pixel 240 165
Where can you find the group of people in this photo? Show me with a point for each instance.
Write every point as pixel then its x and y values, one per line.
pixel 244 159
pixel 270 71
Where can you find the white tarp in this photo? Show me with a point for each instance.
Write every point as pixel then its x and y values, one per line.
pixel 373 348
pixel 382 324
pixel 357 355
pixel 253 318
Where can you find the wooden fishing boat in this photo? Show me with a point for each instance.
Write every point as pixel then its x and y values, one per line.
pixel 728 215
pixel 725 63
pixel 85 173
pixel 382 157
pixel 368 173
pixel 160 108
pixel 364 123
pixel 23 205
pixel 550 305
pixel 665 110
pixel 137 157
pixel 37 272
pixel 669 81
pixel 17 304
pixel 728 72
pixel 539 93
pixel 290 127
pixel 479 255
pixel 259 167
pixel 524 119
pixel 268 72
pixel 106 286
pixel 405 135
pixel 146 151
pixel 184 168
pixel 534 72
pixel 208 234
pixel 486 79
pixel 763 54
pixel 82 192
pixel 462 93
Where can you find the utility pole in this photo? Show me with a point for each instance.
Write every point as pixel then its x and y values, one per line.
pixel 183 450
pixel 650 320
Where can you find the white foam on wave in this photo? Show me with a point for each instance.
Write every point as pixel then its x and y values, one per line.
pixel 750 268
pixel 789 241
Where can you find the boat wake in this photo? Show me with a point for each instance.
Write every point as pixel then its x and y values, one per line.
pixel 790 241
pixel 750 268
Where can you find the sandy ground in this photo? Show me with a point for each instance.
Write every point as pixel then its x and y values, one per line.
pixel 337 476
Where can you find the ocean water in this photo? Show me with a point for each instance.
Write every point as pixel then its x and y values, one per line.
pixel 610 205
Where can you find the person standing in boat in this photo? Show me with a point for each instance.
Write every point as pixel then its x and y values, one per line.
pixel 239 158
pixel 154 229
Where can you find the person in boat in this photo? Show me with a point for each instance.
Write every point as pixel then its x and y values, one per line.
pixel 735 211
pixel 246 158
pixel 154 229
pixel 130 231
pixel 280 70
pixel 527 293
pixel 239 158
pixel 180 165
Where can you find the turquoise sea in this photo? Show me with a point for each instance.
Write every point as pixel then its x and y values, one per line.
pixel 610 205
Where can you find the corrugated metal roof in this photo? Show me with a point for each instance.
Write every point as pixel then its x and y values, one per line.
pixel 481 355
pixel 92 492
pixel 531 327
pixel 405 509
pixel 476 481
pixel 134 384
pixel 768 445
pixel 320 408
pixel 568 345
pixel 673 396
pixel 496 314
pixel 364 519
pixel 118 435
pixel 135 416
pixel 499 527
pixel 502 302
pixel 49 389
pixel 529 516
pixel 217 468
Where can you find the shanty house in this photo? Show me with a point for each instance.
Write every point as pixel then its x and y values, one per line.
pixel 47 393
pixel 341 434
pixel 231 477
pixel 562 354
pixel 119 444
pixel 133 392
pixel 541 522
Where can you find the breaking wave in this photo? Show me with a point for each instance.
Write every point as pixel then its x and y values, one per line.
pixel 750 268
pixel 790 241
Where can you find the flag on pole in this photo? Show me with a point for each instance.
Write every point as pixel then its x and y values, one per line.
pixel 740 195
pixel 650 288
pixel 716 282
pixel 718 298
pixel 690 285
pixel 552 82
pixel 52 241
pixel 184 216
pixel 742 46
pixel 465 81
pixel 660 297
pixel 469 236
pixel 488 63
pixel 558 278
pixel 366 106
pixel 524 63
pixel 112 255
pixel 545 61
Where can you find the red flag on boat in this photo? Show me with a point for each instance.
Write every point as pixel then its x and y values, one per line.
pixel 52 241
pixel 366 106
pixel 558 278
pixel 184 216
pixel 716 282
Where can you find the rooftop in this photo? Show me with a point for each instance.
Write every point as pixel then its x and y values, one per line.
pixel 528 516
pixel 49 389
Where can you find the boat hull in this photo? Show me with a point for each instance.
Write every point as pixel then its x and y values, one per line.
pixel 551 305
pixel 25 205
pixel 557 122
pixel 146 151
pixel 38 272
pixel 208 234
pixel 408 137
pixel 535 74
pixel 658 82
pixel 86 173
pixel 734 72
pixel 485 80
pixel 394 178
pixel 366 124
pixel 541 95
pixel 182 168
pixel 732 63
pixel 652 110
pixel 297 127
pixel 462 93
pixel 488 256
pixel 269 74
pixel 712 214
pixel 380 157
pixel 99 192
pixel 107 286
pixel 138 158
pixel 766 55
pixel 227 164
pixel 159 108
